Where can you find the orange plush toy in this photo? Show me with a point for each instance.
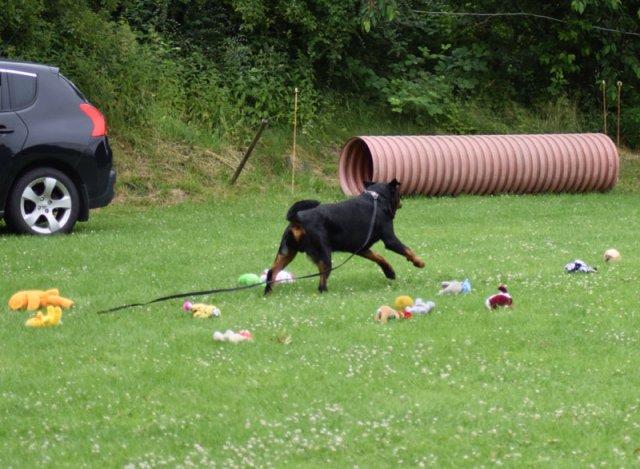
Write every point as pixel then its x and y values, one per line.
pixel 31 300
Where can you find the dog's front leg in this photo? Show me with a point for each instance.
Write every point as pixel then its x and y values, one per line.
pixel 411 257
pixel 395 245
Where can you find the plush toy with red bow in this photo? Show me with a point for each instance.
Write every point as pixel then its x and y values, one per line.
pixel 501 299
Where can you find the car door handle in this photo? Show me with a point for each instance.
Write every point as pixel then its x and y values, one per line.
pixel 5 130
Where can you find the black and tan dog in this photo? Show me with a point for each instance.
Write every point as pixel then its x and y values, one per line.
pixel 319 229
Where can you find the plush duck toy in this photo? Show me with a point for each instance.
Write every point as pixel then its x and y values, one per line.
pixel 31 300
pixel 52 318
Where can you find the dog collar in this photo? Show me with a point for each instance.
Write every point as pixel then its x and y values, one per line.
pixel 373 194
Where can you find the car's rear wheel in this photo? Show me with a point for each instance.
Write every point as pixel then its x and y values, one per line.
pixel 44 201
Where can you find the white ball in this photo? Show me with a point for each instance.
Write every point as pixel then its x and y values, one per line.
pixel 612 255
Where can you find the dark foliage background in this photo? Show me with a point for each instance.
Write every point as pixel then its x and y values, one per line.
pixel 222 65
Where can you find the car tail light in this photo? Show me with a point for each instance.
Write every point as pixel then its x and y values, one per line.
pixel 99 124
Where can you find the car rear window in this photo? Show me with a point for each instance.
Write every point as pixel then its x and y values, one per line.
pixel 73 87
pixel 22 86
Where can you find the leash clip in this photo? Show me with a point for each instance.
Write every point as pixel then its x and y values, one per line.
pixel 373 194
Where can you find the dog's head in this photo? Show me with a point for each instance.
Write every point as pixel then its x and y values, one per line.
pixel 390 192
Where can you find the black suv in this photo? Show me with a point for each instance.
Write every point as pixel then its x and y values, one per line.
pixel 55 158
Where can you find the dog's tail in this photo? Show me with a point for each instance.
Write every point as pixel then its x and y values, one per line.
pixel 292 214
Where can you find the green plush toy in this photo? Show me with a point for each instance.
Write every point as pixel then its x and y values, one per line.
pixel 248 279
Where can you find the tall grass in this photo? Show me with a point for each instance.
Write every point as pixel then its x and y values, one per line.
pixel 551 382
pixel 174 158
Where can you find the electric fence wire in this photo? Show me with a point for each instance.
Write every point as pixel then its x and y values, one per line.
pixel 519 13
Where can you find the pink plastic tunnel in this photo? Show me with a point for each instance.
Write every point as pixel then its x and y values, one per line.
pixel 481 164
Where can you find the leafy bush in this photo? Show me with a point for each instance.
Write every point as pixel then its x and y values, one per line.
pixel 262 83
pixel 629 125
pixel 220 67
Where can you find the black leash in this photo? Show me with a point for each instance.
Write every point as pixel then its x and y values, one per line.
pixel 244 287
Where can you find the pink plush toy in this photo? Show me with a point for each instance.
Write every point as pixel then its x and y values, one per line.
pixel 499 299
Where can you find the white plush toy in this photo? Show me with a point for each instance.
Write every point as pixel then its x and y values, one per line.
pixel 282 277
pixel 234 337
pixel 579 266
pixel 421 307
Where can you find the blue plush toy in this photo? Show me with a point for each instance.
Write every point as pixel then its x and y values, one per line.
pixel 454 287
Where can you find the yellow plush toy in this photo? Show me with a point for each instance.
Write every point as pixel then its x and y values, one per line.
pixel 31 300
pixel 402 302
pixel 202 310
pixel 52 318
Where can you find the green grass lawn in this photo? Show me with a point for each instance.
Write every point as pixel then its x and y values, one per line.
pixel 551 383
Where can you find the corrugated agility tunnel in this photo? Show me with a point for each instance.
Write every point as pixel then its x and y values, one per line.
pixel 481 164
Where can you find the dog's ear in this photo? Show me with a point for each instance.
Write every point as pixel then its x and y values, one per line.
pixel 367 183
pixel 395 194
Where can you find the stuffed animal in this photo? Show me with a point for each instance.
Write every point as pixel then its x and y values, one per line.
pixel 52 318
pixel 499 299
pixel 249 279
pixel 385 313
pixel 420 307
pixel 282 277
pixel 454 287
pixel 202 310
pixel 234 337
pixel 579 266
pixel 31 300
pixel 402 302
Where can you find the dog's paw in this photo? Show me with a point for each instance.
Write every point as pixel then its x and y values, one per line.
pixel 389 273
pixel 418 263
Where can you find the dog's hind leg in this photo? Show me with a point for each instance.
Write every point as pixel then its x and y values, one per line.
pixel 324 269
pixel 289 247
pixel 320 255
pixel 381 261
pixel 282 261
